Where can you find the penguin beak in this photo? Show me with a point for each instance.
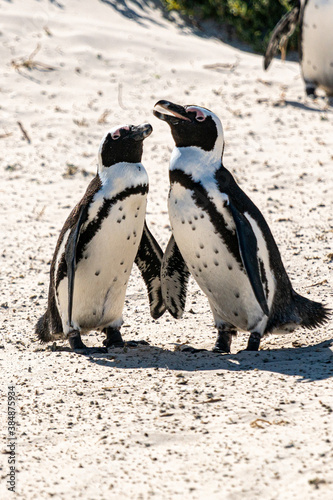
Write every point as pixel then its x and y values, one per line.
pixel 140 132
pixel 170 112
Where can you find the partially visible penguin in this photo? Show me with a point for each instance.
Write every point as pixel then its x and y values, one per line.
pixel 315 45
pixel 223 240
pixel 102 237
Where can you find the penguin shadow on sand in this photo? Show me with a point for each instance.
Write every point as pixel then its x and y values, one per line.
pixel 309 363
pixel 311 105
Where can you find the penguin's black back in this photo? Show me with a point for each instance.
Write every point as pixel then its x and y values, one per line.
pixel 288 306
pixel 50 322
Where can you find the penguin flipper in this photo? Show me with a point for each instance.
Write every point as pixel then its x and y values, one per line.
pixel 70 256
pixel 247 242
pixel 281 33
pixel 149 259
pixel 175 276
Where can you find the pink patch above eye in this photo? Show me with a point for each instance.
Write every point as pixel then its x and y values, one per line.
pixel 199 114
pixel 117 133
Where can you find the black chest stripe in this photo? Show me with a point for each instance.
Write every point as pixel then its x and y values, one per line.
pixel 201 198
pixel 95 225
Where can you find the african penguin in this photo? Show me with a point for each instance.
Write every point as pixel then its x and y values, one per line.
pixel 223 240
pixel 102 237
pixel 315 18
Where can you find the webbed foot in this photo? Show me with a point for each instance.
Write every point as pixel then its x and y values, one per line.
pixel 79 347
pixel 135 343
pixel 192 350
pixel 114 339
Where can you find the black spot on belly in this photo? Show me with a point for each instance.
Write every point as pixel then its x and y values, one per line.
pixel 119 221
pixel 195 217
pixel 122 263
pixel 237 295
pixel 196 275
pixel 199 269
pixel 193 267
pixel 190 222
pixel 229 267
pixel 183 221
pixel 205 265
pixel 120 208
pixel 125 271
pixel 216 262
pixel 202 216
pixel 193 228
pixel 134 234
pixel 201 246
pixel 115 279
pixel 216 250
pixel 129 236
pixel 97 273
pixel 138 208
pixel 197 255
pixel 136 215
pixel 124 217
pixel 236 314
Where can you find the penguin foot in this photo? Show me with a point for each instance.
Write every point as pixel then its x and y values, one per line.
pixel 79 347
pixel 223 342
pixel 254 342
pixel 192 350
pixel 135 343
pixel 310 91
pixel 113 337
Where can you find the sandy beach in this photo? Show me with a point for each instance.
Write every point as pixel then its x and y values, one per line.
pixel 153 421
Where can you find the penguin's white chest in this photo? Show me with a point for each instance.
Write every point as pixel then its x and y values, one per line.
pixel 317 43
pixel 217 271
pixel 102 274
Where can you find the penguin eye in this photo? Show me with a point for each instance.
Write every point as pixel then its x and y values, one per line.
pixel 200 118
pixel 116 136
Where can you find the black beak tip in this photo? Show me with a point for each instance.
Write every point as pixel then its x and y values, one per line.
pixel 163 103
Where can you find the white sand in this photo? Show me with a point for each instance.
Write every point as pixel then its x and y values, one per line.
pixel 154 422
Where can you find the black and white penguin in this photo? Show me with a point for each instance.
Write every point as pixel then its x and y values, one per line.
pixel 102 237
pixel 315 19
pixel 223 240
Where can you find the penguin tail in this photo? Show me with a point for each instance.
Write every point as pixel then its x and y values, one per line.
pixel 312 314
pixel 42 329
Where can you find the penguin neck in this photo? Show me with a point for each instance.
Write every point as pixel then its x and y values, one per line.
pixel 196 162
pixel 121 176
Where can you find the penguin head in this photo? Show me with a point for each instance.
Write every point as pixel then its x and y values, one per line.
pixel 123 144
pixel 192 126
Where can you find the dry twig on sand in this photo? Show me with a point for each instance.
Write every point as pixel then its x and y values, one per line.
pixel 24 132
pixel 5 134
pixel 29 62
pixel 103 117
